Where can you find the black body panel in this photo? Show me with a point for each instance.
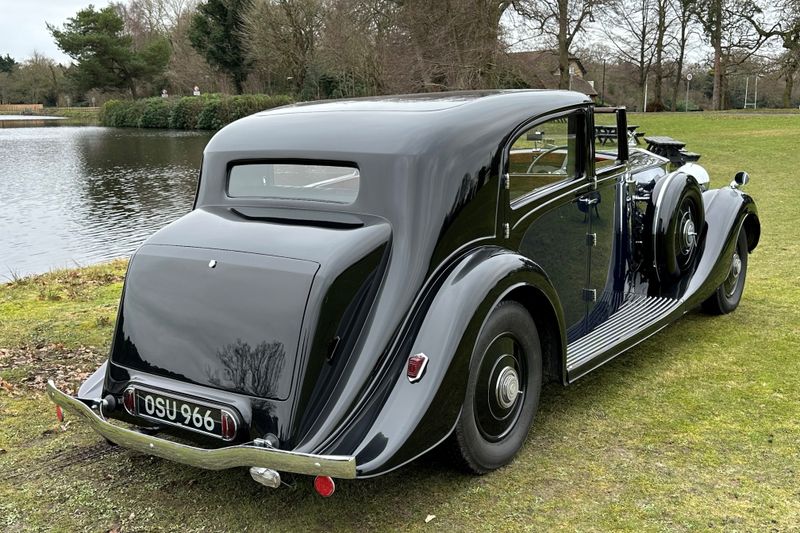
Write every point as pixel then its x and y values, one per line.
pixel 414 265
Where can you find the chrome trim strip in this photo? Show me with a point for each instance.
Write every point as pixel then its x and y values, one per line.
pixel 340 466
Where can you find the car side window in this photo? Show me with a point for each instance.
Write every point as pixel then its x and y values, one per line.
pixel 544 154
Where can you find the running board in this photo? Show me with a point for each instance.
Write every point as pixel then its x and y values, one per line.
pixel 634 317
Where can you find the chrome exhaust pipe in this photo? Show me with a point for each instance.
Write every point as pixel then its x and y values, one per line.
pixel 266 476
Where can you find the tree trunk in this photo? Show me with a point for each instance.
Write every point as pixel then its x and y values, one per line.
pixel 716 43
pixel 563 47
pixel 678 77
pixel 723 85
pixel 716 97
pixel 787 89
pixel 661 29
pixel 787 92
pixel 681 54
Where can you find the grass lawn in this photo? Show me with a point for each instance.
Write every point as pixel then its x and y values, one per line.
pixel 696 428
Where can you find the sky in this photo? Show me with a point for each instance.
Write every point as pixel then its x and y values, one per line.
pixel 23 30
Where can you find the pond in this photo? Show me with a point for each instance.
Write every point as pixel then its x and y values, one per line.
pixel 72 196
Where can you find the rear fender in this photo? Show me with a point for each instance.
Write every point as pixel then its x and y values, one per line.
pixel 417 416
pixel 728 211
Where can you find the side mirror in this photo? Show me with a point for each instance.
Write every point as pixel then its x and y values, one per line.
pixel 740 179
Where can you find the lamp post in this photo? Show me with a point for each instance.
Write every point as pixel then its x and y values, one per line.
pixel 688 81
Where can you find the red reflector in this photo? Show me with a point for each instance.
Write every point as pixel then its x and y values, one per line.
pixel 129 401
pixel 324 486
pixel 227 426
pixel 416 367
pixel 59 413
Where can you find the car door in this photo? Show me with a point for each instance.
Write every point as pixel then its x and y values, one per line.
pixel 608 164
pixel 548 205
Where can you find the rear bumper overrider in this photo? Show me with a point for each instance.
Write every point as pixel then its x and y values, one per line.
pixel 339 466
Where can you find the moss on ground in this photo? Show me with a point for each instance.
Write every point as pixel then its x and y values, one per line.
pixel 696 428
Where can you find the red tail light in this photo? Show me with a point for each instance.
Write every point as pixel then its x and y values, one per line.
pixel 324 486
pixel 59 413
pixel 416 367
pixel 227 426
pixel 129 401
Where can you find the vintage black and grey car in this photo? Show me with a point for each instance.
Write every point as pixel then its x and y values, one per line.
pixel 361 281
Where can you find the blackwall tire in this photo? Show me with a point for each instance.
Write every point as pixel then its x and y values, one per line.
pixel 495 421
pixel 728 295
pixel 678 224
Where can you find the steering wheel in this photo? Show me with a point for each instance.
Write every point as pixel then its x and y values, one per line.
pixel 561 170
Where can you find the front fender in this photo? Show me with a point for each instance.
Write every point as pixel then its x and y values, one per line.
pixel 417 416
pixel 727 212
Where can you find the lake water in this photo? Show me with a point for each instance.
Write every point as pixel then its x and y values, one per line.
pixel 79 195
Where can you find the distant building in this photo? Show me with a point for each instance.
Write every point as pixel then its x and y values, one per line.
pixel 539 70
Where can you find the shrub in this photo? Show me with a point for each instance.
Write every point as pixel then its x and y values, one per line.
pixel 156 112
pixel 214 114
pixel 122 113
pixel 108 110
pixel 184 114
pixel 207 112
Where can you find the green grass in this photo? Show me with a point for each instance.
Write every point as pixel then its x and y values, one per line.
pixel 697 428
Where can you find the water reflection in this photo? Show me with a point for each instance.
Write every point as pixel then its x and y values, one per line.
pixel 78 195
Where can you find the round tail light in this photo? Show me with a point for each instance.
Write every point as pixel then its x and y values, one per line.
pixel 324 486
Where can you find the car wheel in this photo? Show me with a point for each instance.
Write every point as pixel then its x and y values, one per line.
pixel 678 222
pixel 728 295
pixel 503 389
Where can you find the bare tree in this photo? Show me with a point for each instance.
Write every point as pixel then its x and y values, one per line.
pixel 561 20
pixel 786 27
pixel 282 37
pixel 683 20
pixel 734 38
pixel 629 27
pixel 453 44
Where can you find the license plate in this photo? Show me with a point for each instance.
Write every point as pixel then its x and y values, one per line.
pixel 189 414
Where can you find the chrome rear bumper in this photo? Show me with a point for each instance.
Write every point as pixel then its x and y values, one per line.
pixel 338 466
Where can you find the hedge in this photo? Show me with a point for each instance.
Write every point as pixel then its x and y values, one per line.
pixel 207 112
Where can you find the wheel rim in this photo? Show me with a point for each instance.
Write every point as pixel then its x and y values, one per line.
pixel 686 234
pixel 500 389
pixel 732 281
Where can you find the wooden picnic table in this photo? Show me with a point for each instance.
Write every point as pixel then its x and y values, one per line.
pixel 608 132
pixel 672 149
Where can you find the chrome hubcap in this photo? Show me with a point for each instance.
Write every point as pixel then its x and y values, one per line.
pixel 507 388
pixel 736 265
pixel 688 233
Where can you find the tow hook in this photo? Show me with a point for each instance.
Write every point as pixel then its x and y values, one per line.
pixel 266 476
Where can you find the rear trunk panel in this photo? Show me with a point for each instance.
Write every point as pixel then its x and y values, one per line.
pixel 217 318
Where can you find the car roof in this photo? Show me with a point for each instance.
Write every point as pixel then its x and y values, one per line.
pixel 399 124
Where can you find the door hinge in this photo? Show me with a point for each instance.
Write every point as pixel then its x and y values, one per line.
pixel 506 181
pixel 506 230
pixel 589 295
pixel 591 239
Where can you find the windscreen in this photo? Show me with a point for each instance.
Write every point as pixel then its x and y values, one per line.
pixel 298 181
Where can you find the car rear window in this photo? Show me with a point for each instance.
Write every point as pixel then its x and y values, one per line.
pixel 299 181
